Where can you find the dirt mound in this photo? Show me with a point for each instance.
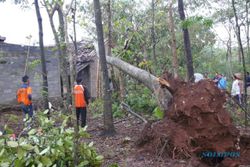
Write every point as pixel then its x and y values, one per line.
pixel 195 124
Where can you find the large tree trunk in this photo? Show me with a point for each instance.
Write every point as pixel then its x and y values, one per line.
pixel 153 35
pixel 61 51
pixel 72 80
pixel 63 47
pixel 247 30
pixel 187 45
pixel 108 116
pixel 162 95
pixel 243 59
pixel 122 84
pixel 173 41
pixel 44 71
pixel 229 51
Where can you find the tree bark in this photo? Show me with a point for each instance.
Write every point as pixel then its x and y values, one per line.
pixel 122 84
pixel 243 58
pixel 63 47
pixel 162 95
pixel 108 116
pixel 45 92
pixel 62 52
pixel 187 45
pixel 247 31
pixel 153 35
pixel 72 80
pixel 173 41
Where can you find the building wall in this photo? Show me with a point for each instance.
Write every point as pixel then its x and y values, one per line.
pixel 12 65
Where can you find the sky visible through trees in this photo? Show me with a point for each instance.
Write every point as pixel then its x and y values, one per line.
pixel 22 25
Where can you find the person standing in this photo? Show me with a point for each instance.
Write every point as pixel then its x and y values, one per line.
pixel 81 101
pixel 236 88
pixel 24 97
pixel 222 82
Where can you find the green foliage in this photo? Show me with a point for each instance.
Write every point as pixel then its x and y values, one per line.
pixel 158 113
pixel 189 22
pixel 47 145
pixel 96 107
pixel 141 99
pixel 34 64
pixel 114 165
pixel 117 112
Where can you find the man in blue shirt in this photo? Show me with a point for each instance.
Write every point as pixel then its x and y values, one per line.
pixel 222 83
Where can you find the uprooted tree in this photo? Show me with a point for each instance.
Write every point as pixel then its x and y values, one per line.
pixel 196 120
pixel 162 94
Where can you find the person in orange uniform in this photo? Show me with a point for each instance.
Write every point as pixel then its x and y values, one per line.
pixel 24 97
pixel 81 101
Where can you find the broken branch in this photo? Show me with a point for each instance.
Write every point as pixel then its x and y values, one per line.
pixel 128 109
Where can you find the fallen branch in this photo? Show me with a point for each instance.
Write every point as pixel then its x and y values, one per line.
pixel 128 109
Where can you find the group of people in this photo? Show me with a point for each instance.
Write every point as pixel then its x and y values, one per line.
pixel 81 94
pixel 237 89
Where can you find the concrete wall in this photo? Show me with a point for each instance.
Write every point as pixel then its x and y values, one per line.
pixel 12 65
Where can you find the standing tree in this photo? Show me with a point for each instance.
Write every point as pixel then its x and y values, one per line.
pixel 243 58
pixel 173 41
pixel 153 34
pixel 108 117
pixel 44 71
pixel 60 40
pixel 187 45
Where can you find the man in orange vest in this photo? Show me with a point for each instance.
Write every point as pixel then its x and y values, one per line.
pixel 24 97
pixel 81 101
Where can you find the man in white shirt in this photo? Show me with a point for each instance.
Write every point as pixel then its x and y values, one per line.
pixel 236 88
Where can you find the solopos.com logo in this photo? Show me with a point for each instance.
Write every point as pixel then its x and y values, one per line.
pixel 213 154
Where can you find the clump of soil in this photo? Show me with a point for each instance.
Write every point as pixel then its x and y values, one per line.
pixel 195 122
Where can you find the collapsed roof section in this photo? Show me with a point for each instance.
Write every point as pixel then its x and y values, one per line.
pixel 86 54
pixel 2 39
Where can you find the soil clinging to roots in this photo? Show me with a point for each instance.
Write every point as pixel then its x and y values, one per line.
pixel 196 123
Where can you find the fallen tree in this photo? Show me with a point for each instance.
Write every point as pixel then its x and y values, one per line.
pixel 196 122
pixel 162 94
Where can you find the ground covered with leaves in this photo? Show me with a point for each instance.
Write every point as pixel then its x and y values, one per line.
pixel 118 150
pixel 197 121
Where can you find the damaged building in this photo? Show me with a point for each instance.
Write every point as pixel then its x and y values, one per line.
pixel 16 59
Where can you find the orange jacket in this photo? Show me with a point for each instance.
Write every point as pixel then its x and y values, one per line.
pixel 79 96
pixel 24 95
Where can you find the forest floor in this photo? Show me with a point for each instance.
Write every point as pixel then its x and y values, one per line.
pixel 122 149
pixel 118 150
pixel 197 121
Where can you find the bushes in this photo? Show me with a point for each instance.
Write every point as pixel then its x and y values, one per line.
pixel 141 100
pixel 47 145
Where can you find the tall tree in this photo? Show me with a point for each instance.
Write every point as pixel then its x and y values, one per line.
pixel 108 117
pixel 187 45
pixel 153 35
pixel 60 41
pixel 247 29
pixel 44 71
pixel 243 58
pixel 173 41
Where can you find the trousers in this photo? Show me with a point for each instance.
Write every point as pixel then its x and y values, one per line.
pixel 81 112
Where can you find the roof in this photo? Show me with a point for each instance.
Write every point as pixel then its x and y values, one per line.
pixel 86 54
pixel 2 39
